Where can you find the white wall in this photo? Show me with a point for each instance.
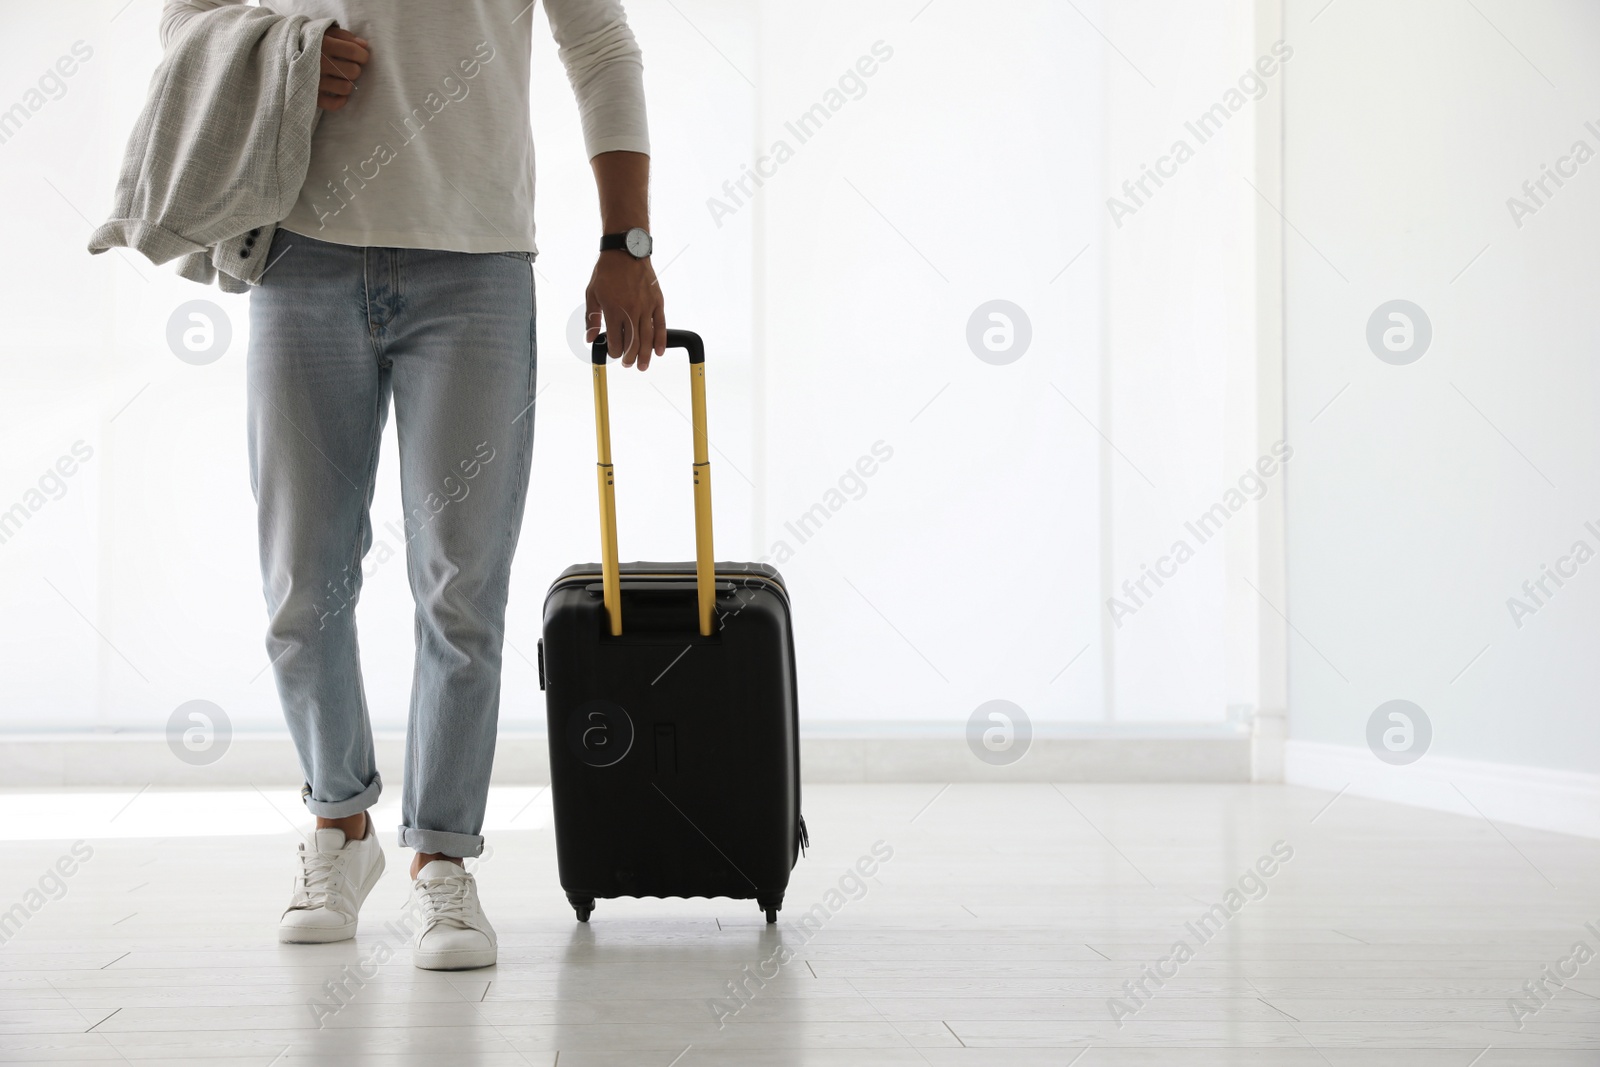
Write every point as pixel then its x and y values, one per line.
pixel 1423 496
pixel 969 172
pixel 1181 393
pixel 976 564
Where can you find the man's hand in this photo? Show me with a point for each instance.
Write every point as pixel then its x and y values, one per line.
pixel 343 56
pixel 622 289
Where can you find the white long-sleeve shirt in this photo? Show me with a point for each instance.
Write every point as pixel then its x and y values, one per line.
pixel 435 147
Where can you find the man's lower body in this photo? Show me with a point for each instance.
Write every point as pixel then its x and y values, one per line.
pixel 337 332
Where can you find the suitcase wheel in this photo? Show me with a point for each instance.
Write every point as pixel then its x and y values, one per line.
pixel 771 908
pixel 772 915
pixel 583 907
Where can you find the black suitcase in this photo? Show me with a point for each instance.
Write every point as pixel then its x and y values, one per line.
pixel 674 747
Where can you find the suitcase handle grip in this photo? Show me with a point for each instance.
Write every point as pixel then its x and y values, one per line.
pixel 675 339
pixel 611 579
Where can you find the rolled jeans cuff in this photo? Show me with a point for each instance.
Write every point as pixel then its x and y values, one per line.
pixel 341 809
pixel 442 842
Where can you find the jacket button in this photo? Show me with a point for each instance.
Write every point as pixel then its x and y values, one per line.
pixel 256 232
pixel 249 242
pixel 244 253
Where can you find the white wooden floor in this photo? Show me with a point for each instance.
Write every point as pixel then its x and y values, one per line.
pixel 1005 921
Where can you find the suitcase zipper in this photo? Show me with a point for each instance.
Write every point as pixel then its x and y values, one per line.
pixel 805 838
pixel 732 576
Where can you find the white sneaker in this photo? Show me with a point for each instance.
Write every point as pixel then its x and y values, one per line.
pixel 454 935
pixel 335 876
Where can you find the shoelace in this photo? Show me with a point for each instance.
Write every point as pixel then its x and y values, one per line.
pixel 318 881
pixel 448 900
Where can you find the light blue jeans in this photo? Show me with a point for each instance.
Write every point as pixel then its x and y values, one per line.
pixel 335 331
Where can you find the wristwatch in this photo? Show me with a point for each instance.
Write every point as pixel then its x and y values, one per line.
pixel 636 242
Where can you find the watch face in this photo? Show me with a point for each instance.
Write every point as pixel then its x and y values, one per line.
pixel 638 242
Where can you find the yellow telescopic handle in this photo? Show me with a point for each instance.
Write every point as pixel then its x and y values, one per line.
pixel 704 569
pixel 611 580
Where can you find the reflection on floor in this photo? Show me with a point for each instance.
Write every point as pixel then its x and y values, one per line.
pixel 1001 924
